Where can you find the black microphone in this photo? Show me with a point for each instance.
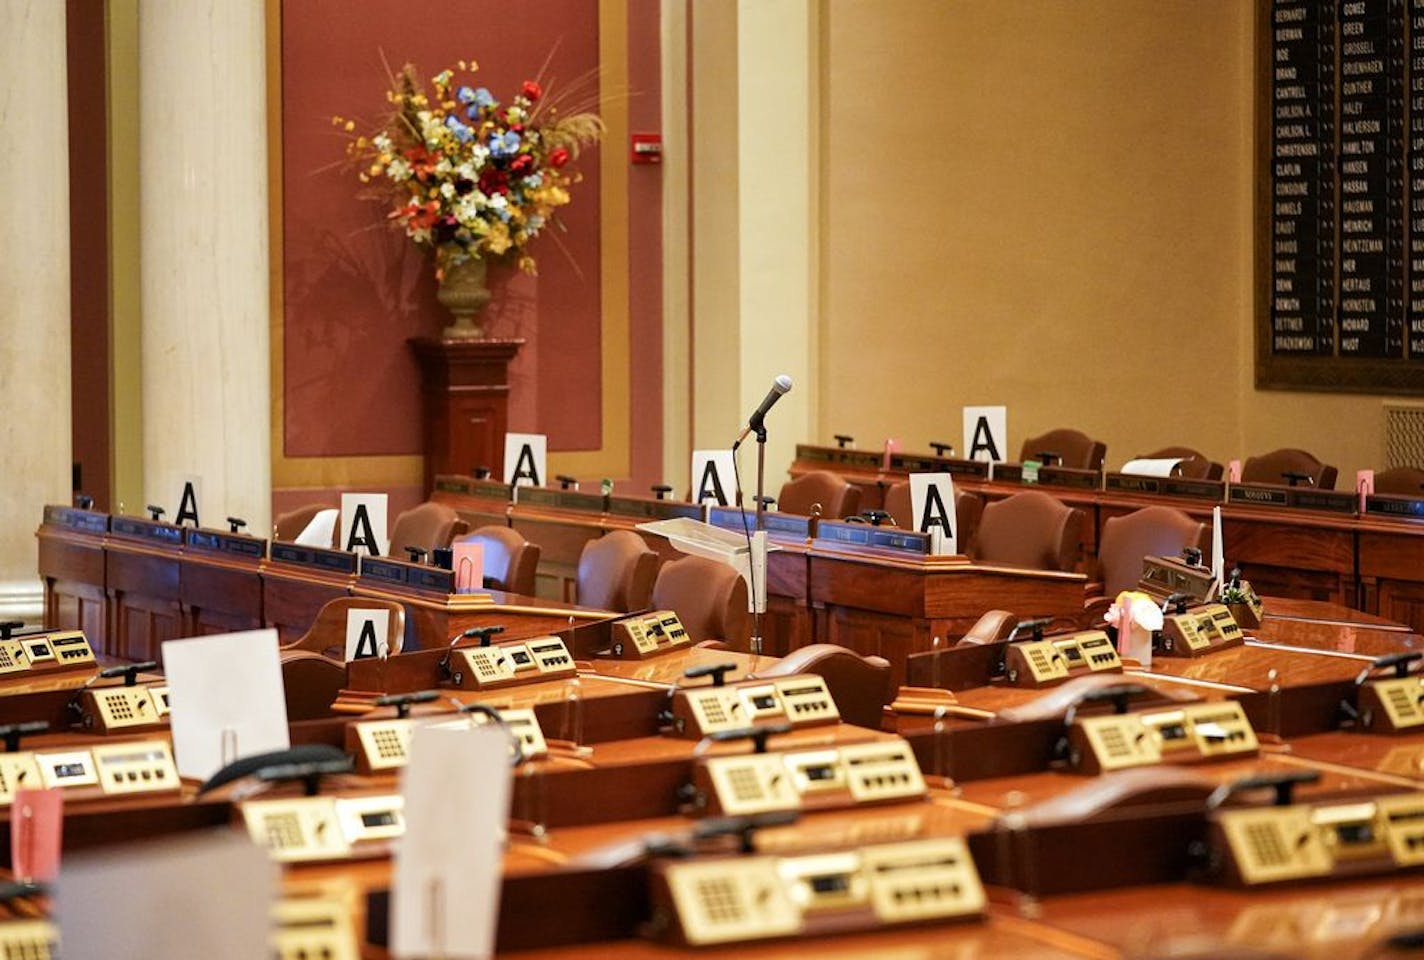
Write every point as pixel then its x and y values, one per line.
pixel 778 386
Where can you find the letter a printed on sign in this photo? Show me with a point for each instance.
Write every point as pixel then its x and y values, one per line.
pixel 986 433
pixel 367 634
pixel 525 459
pixel 363 524
pixel 712 477
pixel 932 503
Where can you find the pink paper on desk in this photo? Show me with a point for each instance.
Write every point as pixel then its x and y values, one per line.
pixel 469 557
pixel 36 828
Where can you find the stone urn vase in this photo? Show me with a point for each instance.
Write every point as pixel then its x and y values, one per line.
pixel 463 292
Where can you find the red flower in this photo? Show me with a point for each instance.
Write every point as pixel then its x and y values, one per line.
pixel 558 157
pixel 522 164
pixel 493 181
pixel 532 90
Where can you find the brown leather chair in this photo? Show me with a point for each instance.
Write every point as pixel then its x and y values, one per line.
pixel 860 685
pixel 427 526
pixel 616 572
pixel 510 560
pixel 991 627
pixel 819 493
pixel 327 635
pixel 1074 449
pixel 311 683
pixel 1400 481
pixel 288 526
pixel 1149 532
pixel 1194 464
pixel 1029 529
pixel 1272 468
pixel 710 599
pixel 968 507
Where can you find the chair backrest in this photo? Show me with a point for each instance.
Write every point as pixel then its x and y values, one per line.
pixel 510 560
pixel 968 507
pixel 616 572
pixel 1029 529
pixel 860 685
pixel 991 627
pixel 710 599
pixel 327 635
pixel 1272 468
pixel 1149 532
pixel 427 526
pixel 1194 464
pixel 835 496
pixel 311 682
pixel 1404 481
pixel 288 526
pixel 1074 449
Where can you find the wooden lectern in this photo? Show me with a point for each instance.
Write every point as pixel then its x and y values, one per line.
pixel 465 386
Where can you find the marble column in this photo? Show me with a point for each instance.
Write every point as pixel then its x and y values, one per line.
pixel 34 290
pixel 778 192
pixel 203 225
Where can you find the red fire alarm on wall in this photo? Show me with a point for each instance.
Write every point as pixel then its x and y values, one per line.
pixel 647 148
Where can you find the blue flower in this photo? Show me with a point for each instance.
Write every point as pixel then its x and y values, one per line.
pixel 504 145
pixel 462 132
pixel 465 95
pixel 484 98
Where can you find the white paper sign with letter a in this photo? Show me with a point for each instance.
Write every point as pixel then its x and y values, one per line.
pixel 932 503
pixel 367 634
pixel 713 477
pixel 526 459
pixel 986 433
pixel 363 524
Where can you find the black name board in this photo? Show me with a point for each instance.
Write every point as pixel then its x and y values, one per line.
pixel 784 526
pixel 216 541
pixel 1303 498
pixel 1341 225
pixel 840 456
pixel 924 463
pixel 837 533
pixel 1214 490
pixel 653 509
pixel 87 521
pixel 336 561
pixel 559 499
pixel 1394 506
pixel 151 530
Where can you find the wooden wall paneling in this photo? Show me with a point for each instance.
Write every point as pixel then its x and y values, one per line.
pixel 221 596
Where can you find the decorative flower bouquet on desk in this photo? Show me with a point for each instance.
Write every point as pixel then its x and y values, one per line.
pixel 470 178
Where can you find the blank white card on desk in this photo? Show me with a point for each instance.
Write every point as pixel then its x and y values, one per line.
pixel 226 699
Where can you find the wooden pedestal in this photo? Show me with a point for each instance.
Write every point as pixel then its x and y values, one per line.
pixel 466 403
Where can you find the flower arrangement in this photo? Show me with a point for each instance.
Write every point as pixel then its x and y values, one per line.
pixel 468 176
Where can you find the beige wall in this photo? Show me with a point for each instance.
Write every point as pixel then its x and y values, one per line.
pixel 1048 205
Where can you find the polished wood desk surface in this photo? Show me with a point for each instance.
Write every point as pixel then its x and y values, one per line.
pixel 1261 666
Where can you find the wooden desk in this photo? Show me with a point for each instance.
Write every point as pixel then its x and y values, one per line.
pixel 71 564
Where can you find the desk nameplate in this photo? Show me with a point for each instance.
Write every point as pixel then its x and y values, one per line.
pixel 779 526
pixel 654 509
pixel 335 561
pixel 401 574
pixel 471 487
pixel 216 541
pixel 1050 476
pixel 1380 505
pixel 1301 498
pixel 859 459
pixel 84 521
pixel 559 499
pixel 925 463
pixel 840 535
pixel 157 532
pixel 1212 490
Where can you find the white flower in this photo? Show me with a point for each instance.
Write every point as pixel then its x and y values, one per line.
pixel 381 142
pixel 447 190
pixel 398 170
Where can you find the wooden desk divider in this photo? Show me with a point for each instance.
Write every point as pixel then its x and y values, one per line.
pixel 298 580
pixel 220 581
pixel 142 560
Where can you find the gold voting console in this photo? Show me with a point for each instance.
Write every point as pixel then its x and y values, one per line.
pixel 303 829
pixel 381 745
pixel 484 668
pixel 1199 631
pixel 883 771
pixel 111 769
pixel 755 897
pixel 40 653
pixel 800 701
pixel 648 635
pixel 1052 660
pixel 1198 731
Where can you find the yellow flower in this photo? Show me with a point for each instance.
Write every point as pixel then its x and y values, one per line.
pixel 349 126
pixel 526 263
pixel 498 239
